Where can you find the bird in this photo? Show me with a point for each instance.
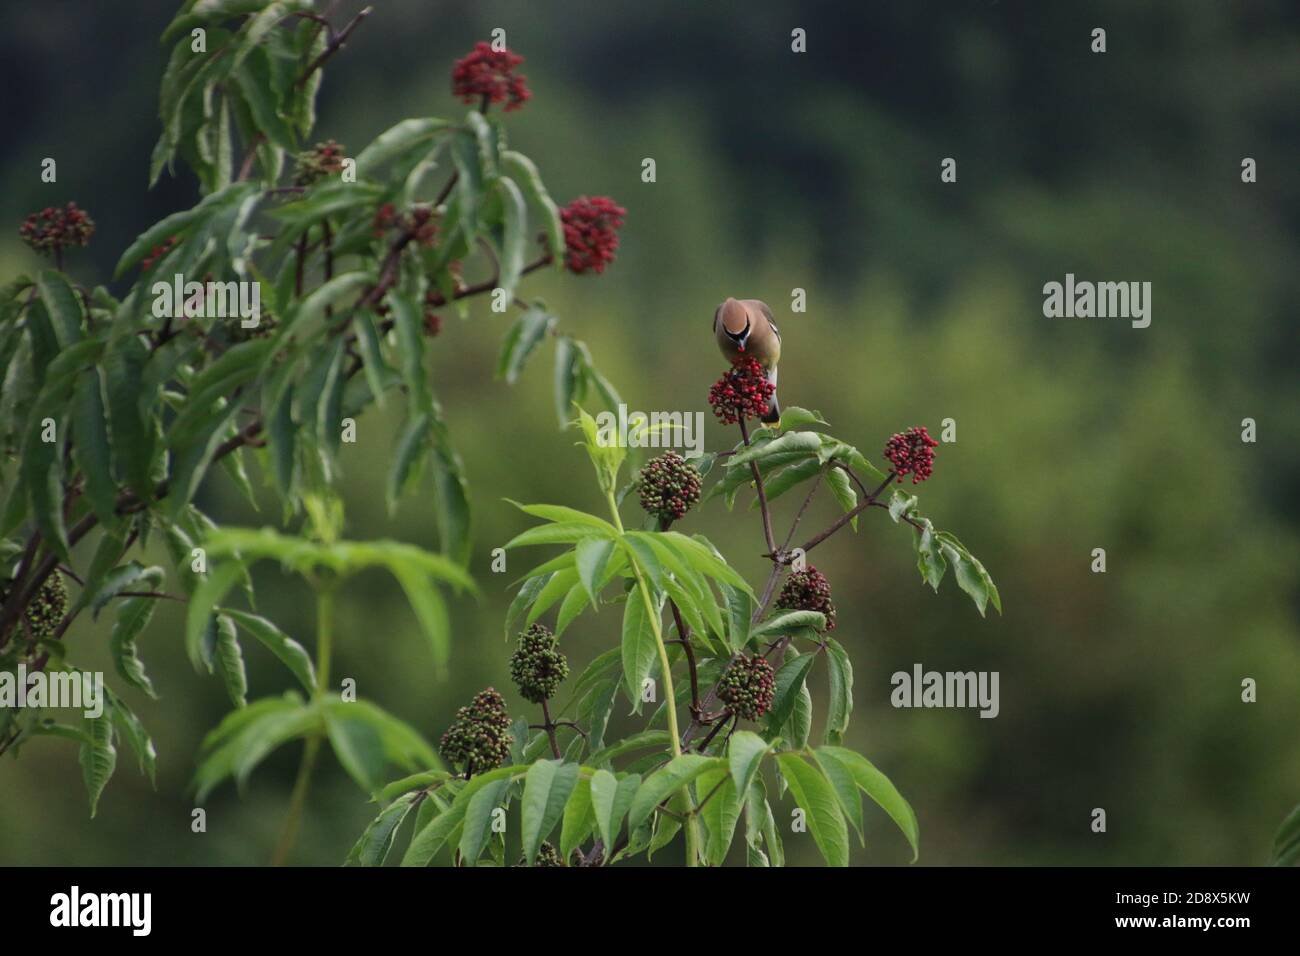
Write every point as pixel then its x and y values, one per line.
pixel 745 329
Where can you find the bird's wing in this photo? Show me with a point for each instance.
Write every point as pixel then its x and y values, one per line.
pixel 762 307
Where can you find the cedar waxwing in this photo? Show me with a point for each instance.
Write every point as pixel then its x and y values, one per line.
pixel 744 329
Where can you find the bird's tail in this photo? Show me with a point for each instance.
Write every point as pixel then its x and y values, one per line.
pixel 773 413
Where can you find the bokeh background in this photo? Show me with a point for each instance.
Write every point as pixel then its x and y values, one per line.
pixel 820 171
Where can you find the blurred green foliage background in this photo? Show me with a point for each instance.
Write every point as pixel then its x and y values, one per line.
pixel 819 171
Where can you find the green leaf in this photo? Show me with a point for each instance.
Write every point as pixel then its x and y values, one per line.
pixel 840 704
pixel 788 622
pixel 290 652
pixel 666 781
pixel 878 787
pixel 901 505
pixel 411 449
pixel 760 828
pixel 198 613
pixel 646 739
pixel 514 234
pixel 929 560
pixel 547 786
pixel 404 138
pixel 565 378
pixel 611 798
pixel 524 336
pixel 522 170
pixel 801 442
pixel 230 658
pixel 1286 844
pixel 429 607
pixel 700 554
pixel 745 753
pixel 564 515
pixel 256 89
pixel 247 735
pixel 376 841
pixel 813 792
pixel 794 416
pixel 559 532
pixel 789 683
pixel 843 491
pixel 478 819
pixel 968 578
pixel 63 306
pixel 578 818
pixel 639 649
pixel 574 603
pixel 846 792
pixel 128 726
pixel 591 558
pixel 98 758
pixel 133 615
pixel 126 577
pixel 527 595
pixel 719 814
pixel 90 446
pixel 367 739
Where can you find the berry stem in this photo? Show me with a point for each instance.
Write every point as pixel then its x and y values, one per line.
pixel 692 834
pixel 550 729
pixel 302 784
pixel 762 495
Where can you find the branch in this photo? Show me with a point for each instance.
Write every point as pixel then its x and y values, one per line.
pixel 337 41
pixel 848 516
pixel 762 495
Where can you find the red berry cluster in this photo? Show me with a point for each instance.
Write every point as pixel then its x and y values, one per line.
pixel 486 73
pixel 420 223
pixel 668 486
pixel 53 229
pixel 742 392
pixel 315 164
pixel 157 252
pixel 591 233
pixel 808 590
pixel 748 686
pixel 912 453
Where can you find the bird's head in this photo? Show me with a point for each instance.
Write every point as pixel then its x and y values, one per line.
pixel 735 322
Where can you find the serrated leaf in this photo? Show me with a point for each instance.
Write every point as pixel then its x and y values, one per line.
pixel 376 842
pixel 666 781
pixel 814 794
pixel 547 786
pixel 879 788
pixel 290 652
pixel 98 758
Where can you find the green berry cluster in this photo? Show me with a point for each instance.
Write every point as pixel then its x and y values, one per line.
pixel 748 686
pixel 808 590
pixel 316 164
pixel 538 667
pixel 480 735
pixel 48 607
pixel 669 486
pixel 547 855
